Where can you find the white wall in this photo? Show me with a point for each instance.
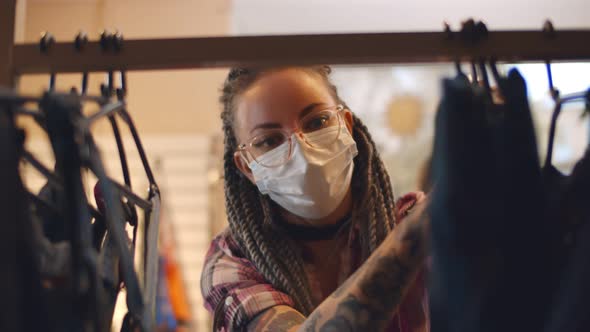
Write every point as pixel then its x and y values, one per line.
pixel 323 16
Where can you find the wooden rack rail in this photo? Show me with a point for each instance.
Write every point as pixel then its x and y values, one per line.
pixel 371 48
pixel 366 48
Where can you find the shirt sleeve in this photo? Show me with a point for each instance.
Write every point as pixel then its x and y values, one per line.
pixel 234 291
pixel 405 204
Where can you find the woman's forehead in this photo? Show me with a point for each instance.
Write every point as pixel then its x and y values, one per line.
pixel 279 97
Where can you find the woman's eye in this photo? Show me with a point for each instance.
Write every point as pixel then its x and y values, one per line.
pixel 316 123
pixel 269 142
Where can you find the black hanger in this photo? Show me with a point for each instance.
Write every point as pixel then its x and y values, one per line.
pixel 560 101
pixel 45 44
pixel 65 125
pixel 495 72
pixel 481 32
pixel 120 145
pixel 549 30
pixel 554 116
pixel 114 214
pixel 485 80
pixel 474 74
pixel 114 42
pixel 109 110
pixel 107 92
pixel 52 179
pixel 80 44
pixel 140 304
pixel 449 35
pixel 473 32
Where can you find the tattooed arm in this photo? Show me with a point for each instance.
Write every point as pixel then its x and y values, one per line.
pixel 280 318
pixel 368 299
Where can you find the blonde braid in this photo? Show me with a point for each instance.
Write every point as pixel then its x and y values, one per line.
pixel 291 255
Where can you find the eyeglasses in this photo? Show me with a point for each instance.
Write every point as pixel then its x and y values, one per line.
pixel 274 147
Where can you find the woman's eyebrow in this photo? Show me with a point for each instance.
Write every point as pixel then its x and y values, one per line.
pixel 266 125
pixel 307 109
pixel 273 125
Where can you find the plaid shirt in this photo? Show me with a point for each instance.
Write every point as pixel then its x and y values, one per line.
pixel 235 292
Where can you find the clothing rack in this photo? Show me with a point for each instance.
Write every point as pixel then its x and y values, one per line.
pixel 414 47
pixel 212 52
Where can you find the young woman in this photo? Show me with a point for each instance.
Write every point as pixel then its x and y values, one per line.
pixel 314 241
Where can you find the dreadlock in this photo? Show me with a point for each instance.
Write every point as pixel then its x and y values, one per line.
pixel 250 213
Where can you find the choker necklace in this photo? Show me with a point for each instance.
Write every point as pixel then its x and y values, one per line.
pixel 314 233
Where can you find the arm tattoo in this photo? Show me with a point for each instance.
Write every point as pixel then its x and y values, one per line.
pixel 284 321
pixel 313 322
pixel 276 321
pixel 368 299
pixel 261 320
pixel 352 315
pixel 344 287
pixel 382 291
pixel 385 289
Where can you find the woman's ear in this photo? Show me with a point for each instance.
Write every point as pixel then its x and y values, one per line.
pixel 348 120
pixel 242 165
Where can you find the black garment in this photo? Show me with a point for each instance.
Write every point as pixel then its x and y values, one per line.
pixel 572 212
pixel 464 227
pixel 524 293
pixel 488 225
pixel 54 226
pixel 22 306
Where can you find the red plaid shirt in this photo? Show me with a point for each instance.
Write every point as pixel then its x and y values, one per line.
pixel 235 292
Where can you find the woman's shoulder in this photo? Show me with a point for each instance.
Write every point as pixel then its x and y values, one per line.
pixel 233 289
pixel 225 243
pixel 225 267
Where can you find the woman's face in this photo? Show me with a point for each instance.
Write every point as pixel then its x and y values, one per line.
pixel 278 99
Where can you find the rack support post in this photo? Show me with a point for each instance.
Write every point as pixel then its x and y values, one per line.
pixel 7 25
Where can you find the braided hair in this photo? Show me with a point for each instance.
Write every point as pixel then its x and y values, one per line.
pixel 250 213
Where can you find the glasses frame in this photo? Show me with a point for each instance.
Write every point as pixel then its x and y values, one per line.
pixel 247 155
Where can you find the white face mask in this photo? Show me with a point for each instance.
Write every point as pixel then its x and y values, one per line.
pixel 314 182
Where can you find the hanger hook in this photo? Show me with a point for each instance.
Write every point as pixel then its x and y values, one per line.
pixel 473 32
pixel 552 128
pixel 80 44
pixel 45 44
pixel 495 72
pixel 122 91
pixel 481 31
pixel 118 46
pixel 106 89
pixel 549 32
pixel 449 35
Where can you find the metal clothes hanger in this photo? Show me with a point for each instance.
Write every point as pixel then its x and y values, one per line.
pixel 559 100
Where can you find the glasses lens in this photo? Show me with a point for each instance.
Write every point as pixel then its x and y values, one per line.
pixel 319 120
pixel 321 128
pixel 271 149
